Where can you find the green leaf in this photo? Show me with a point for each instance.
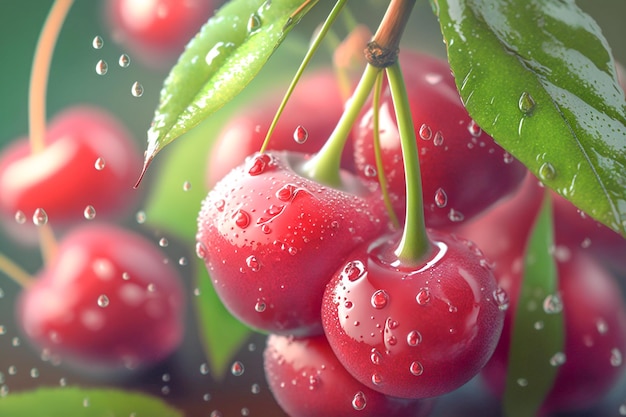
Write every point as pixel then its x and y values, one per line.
pixel 82 402
pixel 537 342
pixel 539 77
pixel 218 63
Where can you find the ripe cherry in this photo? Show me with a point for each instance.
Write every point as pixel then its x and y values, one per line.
pixel 157 31
pixel 307 380
pixel 271 239
pixel 463 170
pixel 90 159
pixel 595 336
pixel 106 300
pixel 306 122
pixel 414 331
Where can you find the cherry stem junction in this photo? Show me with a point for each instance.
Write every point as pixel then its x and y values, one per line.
pixel 414 244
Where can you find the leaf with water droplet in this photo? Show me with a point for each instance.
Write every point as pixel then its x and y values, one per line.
pixel 531 352
pixel 227 53
pixel 539 77
pixel 72 401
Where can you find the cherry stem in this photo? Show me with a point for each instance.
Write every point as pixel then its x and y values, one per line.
pixel 15 272
pixel 317 41
pixel 380 169
pixel 414 244
pixel 47 243
pixel 40 72
pixel 382 51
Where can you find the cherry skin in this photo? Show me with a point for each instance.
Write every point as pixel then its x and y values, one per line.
pixel 315 105
pixel 90 159
pixel 106 300
pixel 595 336
pixel 463 170
pixel 272 238
pixel 414 331
pixel 307 380
pixel 156 31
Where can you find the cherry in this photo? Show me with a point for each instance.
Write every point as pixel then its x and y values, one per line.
pixel 414 330
pixel 106 300
pixel 307 380
pixel 271 238
pixel 595 336
pixel 464 171
pixel 157 31
pixel 306 122
pixel 89 160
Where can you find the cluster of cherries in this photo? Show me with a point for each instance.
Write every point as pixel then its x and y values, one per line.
pixel 357 327
pixel 106 297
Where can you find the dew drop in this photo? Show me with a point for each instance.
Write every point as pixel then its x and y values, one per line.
pixel 103 301
pixel 300 135
pixel 369 171
pixel 376 378
pixel 425 133
pixel 359 401
pixel 237 368
pixel 602 326
pixel 259 164
pixel 507 158
pixel 99 164
pixel 20 217
pixel 255 388
pixel 186 186
pixel 201 250
pixel 474 129
pixel 522 382
pixel 40 217
pixel 438 140
pixel 136 89
pixel 286 192
pixel 353 270
pixel 414 338
pixel 441 198
pixel 182 261
pixel 102 67
pixel 216 413
pixel 553 304
pixel 501 299
pixel 140 217
pixel 616 357
pixel 547 171
pixel 260 306
pixel 558 359
pixel 242 219
pixel 455 216
pixel 379 299
pixel 253 263
pixel 422 297
pixel 97 42
pixel 89 212
pixel 526 103
pixel 124 61
pixel 254 23
pixel 163 242
pixel 375 357
pixel 85 402
pixel 538 325
pixel 416 368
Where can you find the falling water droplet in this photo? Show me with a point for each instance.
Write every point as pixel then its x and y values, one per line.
pixel 441 198
pixel 163 242
pixel 237 368
pixel 140 217
pixel 186 186
pixel 34 373
pixel 425 132
pixel 103 301
pixel 547 171
pixel 379 299
pixel 204 368
pixel 40 217
pixel 20 217
pixel 553 304
pixel 300 135
pixel 124 61
pixel 359 401
pixel 182 261
pixel 102 67
pixel 416 368
pixel 97 42
pixel 89 212
pixel 136 89
pixel 99 164
pixel 526 103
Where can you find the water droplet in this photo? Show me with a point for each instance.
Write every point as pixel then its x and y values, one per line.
pixel 353 270
pixel 438 140
pixel 89 212
pixel 441 198
pixel 538 325
pixel 553 304
pixel 201 250
pixel 20 217
pixel 245 412
pixel 455 216
pixel 237 368
pixel 163 242
pixel 253 263
pixel 376 378
pixel 40 217
pixel 102 67
pixel 99 164
pixel 547 171
pixel 414 338
pixel 474 129
pixel 85 402
pixel 422 297
pixel 15 342
pixel 140 217
pixel 255 388
pixel 416 368
pixel 501 299
pixel 186 186
pixel 379 299
pixel 136 89
pixel 602 326
pixel 425 132
pixel 300 135
pixel 558 359
pixel 359 401
pixel 204 368
pixel 34 373
pixel 375 357
pixel 286 192
pixel 259 164
pixel 254 23
pixel 103 301
pixel 507 158
pixel 522 382
pixel 182 261
pixel 526 103
pixel 124 61
pixel 97 42
pixel 369 171
pixel 242 219
pixel 206 397
pixel 216 413
pixel 260 306
pixel 616 357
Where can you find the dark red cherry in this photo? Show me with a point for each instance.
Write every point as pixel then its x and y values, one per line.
pixel 106 300
pixel 414 331
pixel 307 380
pixel 463 170
pixel 272 238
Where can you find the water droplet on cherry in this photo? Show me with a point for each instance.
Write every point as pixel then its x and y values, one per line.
pixel 425 133
pixel 89 212
pixel 140 217
pixel 253 263
pixel 99 164
pixel 20 217
pixel 438 139
pixel 423 297
pixel 616 357
pixel 237 369
pixel 414 338
pixel 359 401
pixel 369 171
pixel 474 129
pixel 242 219
pixel 379 299
pixel 501 299
pixel 441 198
pixel 40 217
pixel 103 301
pixel 258 164
pixel 553 304
pixel 416 368
pixel 558 359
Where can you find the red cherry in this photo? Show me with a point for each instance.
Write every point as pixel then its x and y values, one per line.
pixel 90 159
pixel 272 238
pixel 307 380
pixel 595 336
pixel 463 170
pixel 157 31
pixel 414 331
pixel 107 299
pixel 307 121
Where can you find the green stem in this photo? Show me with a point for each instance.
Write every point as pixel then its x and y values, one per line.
pixel 414 244
pixel 317 41
pixel 15 272
pixel 325 165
